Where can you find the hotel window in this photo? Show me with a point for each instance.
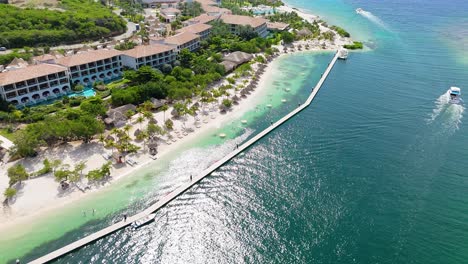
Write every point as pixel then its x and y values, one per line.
pixel 10 95
pixel 51 76
pixel 8 87
pixel 22 92
pixel 33 89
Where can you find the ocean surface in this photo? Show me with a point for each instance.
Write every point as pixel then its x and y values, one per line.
pixel 375 171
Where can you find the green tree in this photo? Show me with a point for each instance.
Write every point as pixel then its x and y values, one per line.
pixel 185 57
pixel 140 120
pixel 164 108
pixel 55 164
pixel 169 124
pixel 79 167
pixel 227 103
pixel 9 193
pixel 62 174
pixel 17 173
pixel 94 106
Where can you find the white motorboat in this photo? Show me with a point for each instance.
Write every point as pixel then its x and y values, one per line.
pixel 143 221
pixel 454 93
pixel 359 10
pixel 343 54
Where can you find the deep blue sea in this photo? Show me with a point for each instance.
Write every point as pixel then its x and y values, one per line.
pixel 375 171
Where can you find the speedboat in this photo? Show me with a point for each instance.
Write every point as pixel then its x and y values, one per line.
pixel 143 221
pixel 454 93
pixel 359 10
pixel 343 54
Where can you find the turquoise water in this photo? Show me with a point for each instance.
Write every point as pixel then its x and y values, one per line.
pixel 374 171
pixel 133 193
pixel 87 92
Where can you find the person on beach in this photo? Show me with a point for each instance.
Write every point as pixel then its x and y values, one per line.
pixel 190 177
pixel 94 211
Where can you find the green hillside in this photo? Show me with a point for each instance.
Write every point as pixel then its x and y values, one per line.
pixel 81 20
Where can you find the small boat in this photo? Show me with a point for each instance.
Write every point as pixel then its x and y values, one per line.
pixel 143 221
pixel 454 93
pixel 359 10
pixel 343 54
pixel 131 162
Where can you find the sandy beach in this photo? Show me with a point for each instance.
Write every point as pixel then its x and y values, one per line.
pixel 41 195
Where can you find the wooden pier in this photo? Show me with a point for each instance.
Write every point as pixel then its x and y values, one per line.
pixel 171 196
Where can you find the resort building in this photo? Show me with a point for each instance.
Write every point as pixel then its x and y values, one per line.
pixel 259 25
pixel 170 14
pixel 235 59
pixel 161 3
pixel 92 66
pixel 201 19
pixel 184 40
pixel 35 83
pixel 212 7
pixel 202 30
pixel 277 26
pixel 154 55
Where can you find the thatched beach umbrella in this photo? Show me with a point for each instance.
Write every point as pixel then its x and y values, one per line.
pixel 153 120
pixel 174 113
pixel 137 132
pixel 235 100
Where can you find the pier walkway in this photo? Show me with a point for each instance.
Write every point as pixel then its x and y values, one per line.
pixel 171 196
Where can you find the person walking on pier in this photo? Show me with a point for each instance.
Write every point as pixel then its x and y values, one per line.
pixel 125 217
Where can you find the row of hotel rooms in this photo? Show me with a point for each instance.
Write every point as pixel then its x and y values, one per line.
pixel 51 77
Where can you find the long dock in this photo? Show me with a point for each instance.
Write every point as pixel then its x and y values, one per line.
pixel 171 196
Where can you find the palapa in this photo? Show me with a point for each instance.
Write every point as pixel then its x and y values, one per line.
pixel 137 132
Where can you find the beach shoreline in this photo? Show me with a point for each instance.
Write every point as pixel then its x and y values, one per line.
pixel 38 198
pixel 39 195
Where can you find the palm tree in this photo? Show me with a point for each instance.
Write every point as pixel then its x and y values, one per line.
pixel 115 131
pixel 102 139
pixel 140 120
pixel 164 108
pixel 148 115
pixel 147 106
pixel 80 166
pixel 127 128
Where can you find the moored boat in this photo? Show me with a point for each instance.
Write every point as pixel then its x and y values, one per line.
pixel 143 221
pixel 343 54
pixel 359 10
pixel 454 93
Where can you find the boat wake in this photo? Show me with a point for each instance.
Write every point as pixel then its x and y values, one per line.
pixel 373 18
pixel 450 115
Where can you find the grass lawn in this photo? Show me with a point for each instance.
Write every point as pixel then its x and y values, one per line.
pixel 117 84
pixel 4 132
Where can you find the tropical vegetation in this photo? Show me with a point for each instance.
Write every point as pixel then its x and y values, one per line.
pixel 79 21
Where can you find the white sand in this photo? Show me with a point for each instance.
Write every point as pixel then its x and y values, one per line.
pixel 338 42
pixel 41 195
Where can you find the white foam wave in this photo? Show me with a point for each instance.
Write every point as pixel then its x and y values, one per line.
pixel 373 18
pixel 450 115
pixel 441 104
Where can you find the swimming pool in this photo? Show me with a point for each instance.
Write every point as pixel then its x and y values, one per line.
pixel 87 92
